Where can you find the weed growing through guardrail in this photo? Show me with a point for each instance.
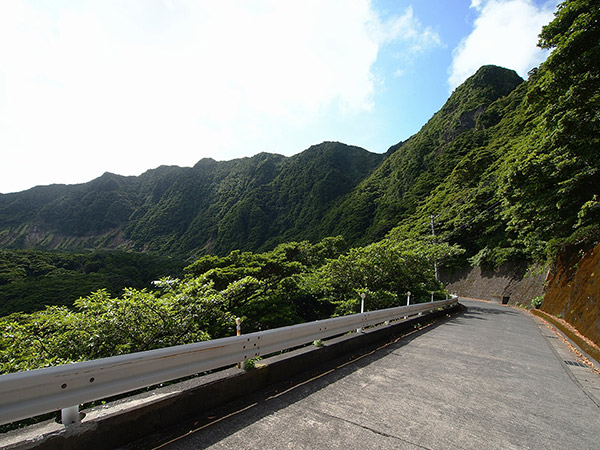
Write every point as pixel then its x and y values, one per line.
pixel 250 364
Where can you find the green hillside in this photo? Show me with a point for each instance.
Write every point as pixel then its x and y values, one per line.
pixel 508 168
pixel 32 279
pixel 416 167
pixel 214 207
pixel 532 185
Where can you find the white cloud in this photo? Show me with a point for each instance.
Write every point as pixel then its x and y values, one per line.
pixel 505 33
pixel 101 85
pixel 409 35
pixel 476 4
pixel 407 28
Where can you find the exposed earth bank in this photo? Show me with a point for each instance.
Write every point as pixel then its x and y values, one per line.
pixel 573 290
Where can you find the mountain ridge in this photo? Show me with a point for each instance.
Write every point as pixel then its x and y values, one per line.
pixel 329 189
pixel 154 210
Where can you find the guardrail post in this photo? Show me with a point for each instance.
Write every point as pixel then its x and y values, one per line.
pixel 70 415
pixel 238 329
pixel 408 294
pixel 362 307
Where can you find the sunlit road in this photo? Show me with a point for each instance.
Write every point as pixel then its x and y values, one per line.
pixel 492 377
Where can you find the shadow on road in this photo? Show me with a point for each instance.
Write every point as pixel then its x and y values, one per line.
pixel 471 311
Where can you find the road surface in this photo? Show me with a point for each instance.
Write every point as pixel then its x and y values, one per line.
pixel 493 377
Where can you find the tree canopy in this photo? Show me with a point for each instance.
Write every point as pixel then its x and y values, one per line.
pixel 293 283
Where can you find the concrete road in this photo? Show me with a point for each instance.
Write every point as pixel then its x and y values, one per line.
pixel 491 378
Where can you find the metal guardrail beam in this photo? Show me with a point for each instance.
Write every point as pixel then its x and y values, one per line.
pixel 30 393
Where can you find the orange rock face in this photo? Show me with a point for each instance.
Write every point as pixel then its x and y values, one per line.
pixel 573 291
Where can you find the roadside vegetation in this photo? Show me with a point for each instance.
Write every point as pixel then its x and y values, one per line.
pixel 32 279
pixel 293 283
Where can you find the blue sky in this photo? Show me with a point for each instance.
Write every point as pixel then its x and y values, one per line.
pixel 91 86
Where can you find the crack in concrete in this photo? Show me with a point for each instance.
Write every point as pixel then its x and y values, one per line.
pixel 372 430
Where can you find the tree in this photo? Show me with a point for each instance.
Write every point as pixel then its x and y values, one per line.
pixel 550 189
pixel 386 270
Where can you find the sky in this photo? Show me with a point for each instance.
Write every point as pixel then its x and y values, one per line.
pixel 124 86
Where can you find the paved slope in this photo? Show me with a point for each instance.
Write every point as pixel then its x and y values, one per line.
pixel 489 378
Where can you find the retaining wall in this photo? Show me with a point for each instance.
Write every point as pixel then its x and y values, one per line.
pixel 509 284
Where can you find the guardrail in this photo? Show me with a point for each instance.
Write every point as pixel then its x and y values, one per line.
pixel 40 391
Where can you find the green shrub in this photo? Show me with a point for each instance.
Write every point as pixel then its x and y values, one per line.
pixel 536 302
pixel 250 364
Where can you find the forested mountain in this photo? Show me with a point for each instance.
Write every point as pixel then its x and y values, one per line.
pixel 531 185
pixel 505 167
pixel 255 203
pixel 415 167
pixel 213 207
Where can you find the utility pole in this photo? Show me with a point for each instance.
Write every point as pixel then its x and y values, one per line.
pixel 435 266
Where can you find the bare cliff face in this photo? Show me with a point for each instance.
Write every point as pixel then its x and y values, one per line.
pixel 573 290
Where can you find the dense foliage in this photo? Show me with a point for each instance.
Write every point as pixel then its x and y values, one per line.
pixel 552 187
pixel 32 279
pixel 293 283
pixel 532 183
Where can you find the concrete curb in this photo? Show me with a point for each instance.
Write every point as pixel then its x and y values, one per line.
pixel 120 422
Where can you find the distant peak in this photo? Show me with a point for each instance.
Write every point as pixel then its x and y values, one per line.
pixel 487 85
pixel 334 146
pixel 501 77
